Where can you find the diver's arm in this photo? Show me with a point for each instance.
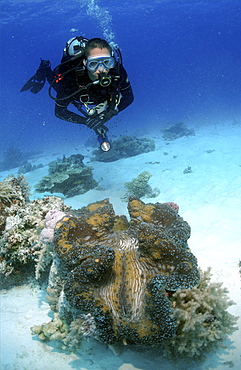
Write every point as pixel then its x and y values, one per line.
pixel 127 96
pixel 63 113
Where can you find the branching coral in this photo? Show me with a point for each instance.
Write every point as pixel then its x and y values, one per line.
pixel 14 188
pixel 14 192
pixel 20 242
pixel 203 321
pixel 7 192
pixel 139 187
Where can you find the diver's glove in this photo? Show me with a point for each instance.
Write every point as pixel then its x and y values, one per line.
pixel 101 131
pixel 93 122
pixel 100 119
pixel 108 114
pixel 37 81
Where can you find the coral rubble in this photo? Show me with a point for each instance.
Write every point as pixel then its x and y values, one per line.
pixel 124 147
pixel 70 176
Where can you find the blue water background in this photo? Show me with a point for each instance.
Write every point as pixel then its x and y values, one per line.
pixel 183 60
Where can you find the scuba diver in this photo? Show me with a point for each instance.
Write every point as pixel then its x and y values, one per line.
pixel 92 78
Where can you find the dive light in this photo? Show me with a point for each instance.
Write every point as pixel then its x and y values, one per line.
pixel 104 143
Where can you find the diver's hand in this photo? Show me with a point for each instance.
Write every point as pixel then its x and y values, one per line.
pixel 94 122
pixel 101 131
pixel 108 114
pixel 100 119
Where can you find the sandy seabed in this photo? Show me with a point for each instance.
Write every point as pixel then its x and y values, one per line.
pixel 209 198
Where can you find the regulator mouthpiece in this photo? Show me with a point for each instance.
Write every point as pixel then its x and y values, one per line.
pixel 104 80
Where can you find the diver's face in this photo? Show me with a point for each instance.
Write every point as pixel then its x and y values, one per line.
pixel 98 53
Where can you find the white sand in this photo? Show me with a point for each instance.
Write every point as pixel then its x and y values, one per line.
pixel 210 201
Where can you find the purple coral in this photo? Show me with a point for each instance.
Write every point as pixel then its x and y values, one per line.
pixel 52 217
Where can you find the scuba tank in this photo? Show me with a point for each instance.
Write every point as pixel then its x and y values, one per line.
pixel 72 60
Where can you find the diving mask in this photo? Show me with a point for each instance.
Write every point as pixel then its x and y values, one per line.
pixel 93 64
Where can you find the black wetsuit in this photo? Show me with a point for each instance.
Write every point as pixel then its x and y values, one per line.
pixel 75 87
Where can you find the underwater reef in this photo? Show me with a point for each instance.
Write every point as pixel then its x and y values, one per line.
pixel 122 281
pixel 69 176
pixel 139 187
pixel 21 222
pixel 176 130
pixel 124 147
pixel 132 282
pixel 13 191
